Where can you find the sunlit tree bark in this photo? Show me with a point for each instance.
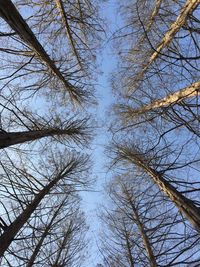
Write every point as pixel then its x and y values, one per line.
pixel 185 205
pixel 188 8
pixel 171 99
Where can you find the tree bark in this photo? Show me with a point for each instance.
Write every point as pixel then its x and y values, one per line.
pixel 12 16
pixel 188 8
pixel 145 239
pixel 12 230
pixel 44 235
pixel 151 20
pixel 61 10
pixel 187 92
pixel 185 205
pixel 13 138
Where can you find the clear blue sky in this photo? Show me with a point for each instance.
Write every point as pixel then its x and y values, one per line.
pixel 92 200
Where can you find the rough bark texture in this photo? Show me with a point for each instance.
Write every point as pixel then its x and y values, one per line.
pixel 185 205
pixel 13 138
pixel 188 8
pixel 12 230
pixel 188 92
pixel 61 10
pixel 11 15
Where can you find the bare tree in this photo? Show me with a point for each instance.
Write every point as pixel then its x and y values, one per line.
pixel 28 191
pixel 153 113
pixel 70 131
pixel 48 52
pixel 61 9
pixel 11 15
pixel 35 56
pixel 142 227
pixel 186 206
pixel 54 236
pixel 171 99
pixel 187 9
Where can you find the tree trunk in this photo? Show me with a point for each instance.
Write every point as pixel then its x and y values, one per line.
pixel 13 138
pixel 146 243
pixel 171 99
pixel 130 257
pixel 185 205
pixel 11 15
pixel 145 239
pixel 151 20
pixel 63 244
pixel 44 235
pixel 12 230
pixel 61 10
pixel 188 8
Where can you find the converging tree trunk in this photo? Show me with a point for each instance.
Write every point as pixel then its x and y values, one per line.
pixel 12 230
pixel 187 92
pixel 151 20
pixel 63 15
pixel 63 245
pixel 43 236
pixel 141 228
pixel 188 8
pixel 185 205
pixel 128 245
pixel 12 16
pixel 13 138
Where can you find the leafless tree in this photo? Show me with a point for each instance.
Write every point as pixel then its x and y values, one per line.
pixel 56 236
pixel 30 58
pixel 21 126
pixel 22 191
pixel 158 70
pixel 48 68
pixel 156 117
pixel 156 134
pixel 186 206
pixel 142 228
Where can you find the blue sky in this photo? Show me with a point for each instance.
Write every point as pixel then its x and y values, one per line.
pixel 93 200
pixel 107 62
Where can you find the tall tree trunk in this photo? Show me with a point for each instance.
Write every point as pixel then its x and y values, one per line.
pixel 151 20
pixel 63 245
pixel 185 205
pixel 13 138
pixel 44 235
pixel 11 15
pixel 140 225
pixel 63 15
pixel 12 230
pixel 187 92
pixel 128 245
pixel 188 8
